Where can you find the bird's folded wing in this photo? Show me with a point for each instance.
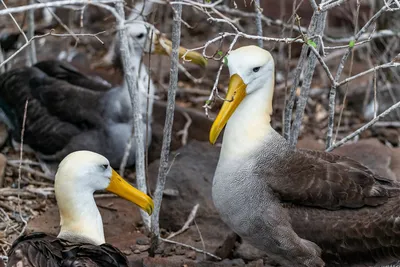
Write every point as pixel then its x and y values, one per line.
pixel 329 181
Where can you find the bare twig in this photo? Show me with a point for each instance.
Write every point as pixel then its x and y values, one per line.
pixel 365 127
pixel 31 32
pixel 259 22
pixel 332 93
pixel 134 94
pixel 20 165
pixel 317 26
pixel 30 170
pixel 185 131
pixel 193 248
pixel 189 220
pixel 173 84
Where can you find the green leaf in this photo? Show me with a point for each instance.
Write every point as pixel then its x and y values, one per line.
pixel 220 53
pixel 208 102
pixel 208 1
pixel 312 43
pixel 352 43
pixel 226 61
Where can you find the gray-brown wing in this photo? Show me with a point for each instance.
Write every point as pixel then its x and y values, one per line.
pixel 64 71
pixel 104 255
pixel 41 250
pixel 35 250
pixel 328 181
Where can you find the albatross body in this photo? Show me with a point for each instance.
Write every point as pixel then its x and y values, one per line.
pixel 68 111
pixel 81 239
pixel 302 207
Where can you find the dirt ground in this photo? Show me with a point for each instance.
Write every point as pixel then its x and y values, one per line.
pixel 189 181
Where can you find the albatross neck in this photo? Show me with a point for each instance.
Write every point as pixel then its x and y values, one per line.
pixel 80 219
pixel 249 126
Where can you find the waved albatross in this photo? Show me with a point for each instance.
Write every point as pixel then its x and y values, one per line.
pixel 68 111
pixel 302 207
pixel 81 239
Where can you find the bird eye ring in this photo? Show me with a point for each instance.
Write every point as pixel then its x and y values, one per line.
pixel 256 69
pixel 105 166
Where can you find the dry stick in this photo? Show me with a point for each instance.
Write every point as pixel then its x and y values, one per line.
pixel 316 27
pixel 134 95
pixel 44 35
pixel 21 148
pixel 185 131
pixel 365 127
pixel 259 22
pixel 326 6
pixel 31 52
pixel 189 220
pixel 29 170
pixel 287 69
pixel 350 72
pixel 100 3
pixel 173 84
pixel 332 92
pixel 201 238
pixel 193 248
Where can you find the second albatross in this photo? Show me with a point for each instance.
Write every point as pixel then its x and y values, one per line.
pixel 302 207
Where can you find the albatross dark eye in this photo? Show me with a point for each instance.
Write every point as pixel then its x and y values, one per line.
pixel 105 166
pixel 140 36
pixel 256 69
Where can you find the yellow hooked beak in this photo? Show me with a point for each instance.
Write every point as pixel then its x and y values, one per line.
pixel 163 46
pixel 235 95
pixel 123 189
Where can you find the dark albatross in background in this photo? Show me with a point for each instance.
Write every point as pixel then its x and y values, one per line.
pixel 302 207
pixel 81 239
pixel 68 111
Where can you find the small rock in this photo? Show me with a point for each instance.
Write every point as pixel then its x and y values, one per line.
pixel 143 248
pixel 179 250
pixel 191 255
pixel 136 251
pixel 142 241
pixel 159 251
pixel 127 252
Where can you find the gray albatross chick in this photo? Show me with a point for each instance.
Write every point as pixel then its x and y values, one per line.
pixel 303 207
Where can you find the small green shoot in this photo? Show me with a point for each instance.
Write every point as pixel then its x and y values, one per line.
pixel 312 43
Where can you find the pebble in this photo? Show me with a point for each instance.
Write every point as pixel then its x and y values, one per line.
pixel 191 255
pixel 142 241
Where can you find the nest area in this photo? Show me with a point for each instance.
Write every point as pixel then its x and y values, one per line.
pixel 26 188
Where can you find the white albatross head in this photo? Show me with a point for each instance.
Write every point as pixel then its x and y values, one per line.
pixel 79 175
pixel 251 70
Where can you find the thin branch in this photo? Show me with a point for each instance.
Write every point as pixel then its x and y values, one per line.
pixel 134 94
pixel 173 84
pixel 317 27
pixel 185 131
pixel 100 3
pixel 15 22
pixel 325 6
pixel 193 248
pixel 383 66
pixel 258 22
pixel 186 225
pixel 20 165
pixel 31 32
pixel 365 127
pixel 44 35
pixel 332 92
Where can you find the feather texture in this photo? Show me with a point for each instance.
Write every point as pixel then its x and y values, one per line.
pixel 41 250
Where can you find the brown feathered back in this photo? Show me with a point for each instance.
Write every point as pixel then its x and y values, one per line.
pixel 42 250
